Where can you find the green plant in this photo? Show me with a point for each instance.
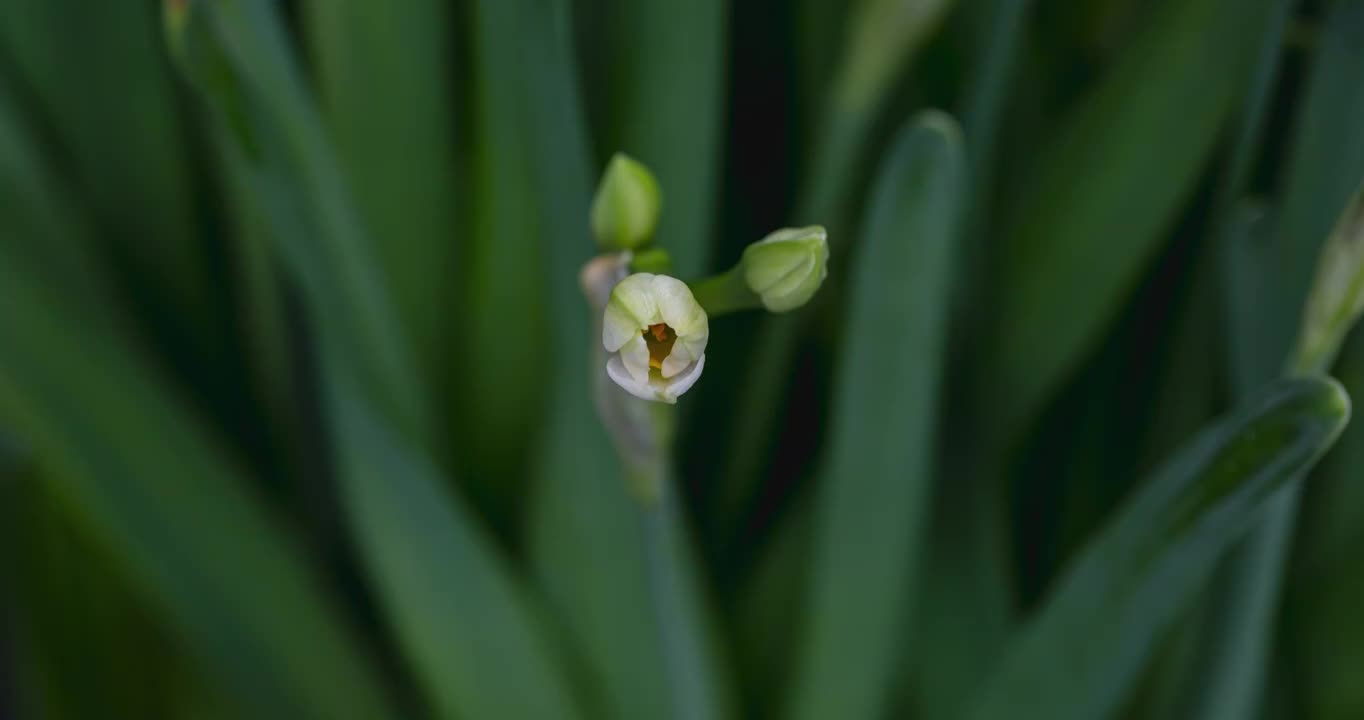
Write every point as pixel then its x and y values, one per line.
pixel 318 348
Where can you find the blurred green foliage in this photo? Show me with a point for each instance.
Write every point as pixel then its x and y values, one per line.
pixel 297 380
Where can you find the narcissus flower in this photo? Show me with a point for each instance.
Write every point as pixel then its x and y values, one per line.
pixel 656 335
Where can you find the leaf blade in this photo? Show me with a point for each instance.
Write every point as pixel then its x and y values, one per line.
pixel 171 505
pixel 880 468
pixel 1085 647
pixel 1085 230
pixel 385 89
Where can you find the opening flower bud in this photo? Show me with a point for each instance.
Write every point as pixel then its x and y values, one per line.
pixel 625 209
pixel 786 268
pixel 656 335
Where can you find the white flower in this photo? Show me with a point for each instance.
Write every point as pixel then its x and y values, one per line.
pixel 656 335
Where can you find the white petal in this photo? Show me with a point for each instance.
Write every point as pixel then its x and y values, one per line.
pixel 615 369
pixel 656 389
pixel 681 356
pixel 635 294
pixel 617 327
pixel 635 356
pixel 678 307
pixel 670 390
pixel 632 308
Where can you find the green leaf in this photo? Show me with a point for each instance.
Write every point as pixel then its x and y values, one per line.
pixel 873 496
pixel 272 349
pixel 462 617
pixel 1337 296
pixel 164 498
pixel 1085 647
pixel 1107 189
pixel 240 59
pixel 504 380
pixel 966 613
pixel 465 621
pixel 1323 631
pixel 1325 167
pixel 90 647
pixel 1247 143
pixel 1248 283
pixel 883 37
pixel 386 88
pixel 766 608
pixel 987 82
pixel 1233 266
pixel 37 210
pixel 103 89
pixel 665 105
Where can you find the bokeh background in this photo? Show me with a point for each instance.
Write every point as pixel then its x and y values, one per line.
pixel 296 380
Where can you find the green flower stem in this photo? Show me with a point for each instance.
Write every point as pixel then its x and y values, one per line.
pixel 654 260
pixel 685 651
pixel 643 434
pixel 725 293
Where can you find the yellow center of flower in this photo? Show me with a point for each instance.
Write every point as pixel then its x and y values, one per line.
pixel 660 339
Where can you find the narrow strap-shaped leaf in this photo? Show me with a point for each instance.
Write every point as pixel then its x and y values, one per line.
pixel 1323 630
pixel 1325 168
pixel 263 307
pixel 963 615
pixel 987 82
pixel 765 610
pixel 1106 191
pixel 463 618
pixel 91 644
pixel 1235 238
pixel 966 610
pixel 665 107
pixel 386 89
pixel 469 628
pixel 1084 648
pixel 1194 361
pixel 1245 601
pixel 882 38
pixel 97 75
pixel 503 385
pixel 872 501
pixel 171 505
pixel 36 208
pixel 238 55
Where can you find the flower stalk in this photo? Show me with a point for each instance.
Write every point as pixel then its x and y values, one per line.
pixel 641 431
pixel 781 272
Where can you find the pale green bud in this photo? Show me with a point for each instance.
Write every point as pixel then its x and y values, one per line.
pixel 786 268
pixel 625 210
pixel 655 333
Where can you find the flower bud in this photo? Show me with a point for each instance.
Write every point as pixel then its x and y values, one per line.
pixel 786 268
pixel 655 333
pixel 625 209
